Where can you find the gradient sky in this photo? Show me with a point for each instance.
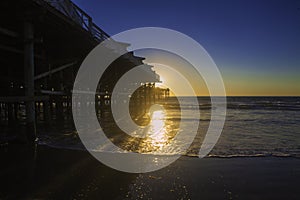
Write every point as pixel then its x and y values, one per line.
pixel 255 44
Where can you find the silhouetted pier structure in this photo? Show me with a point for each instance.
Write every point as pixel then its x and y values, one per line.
pixel 42 44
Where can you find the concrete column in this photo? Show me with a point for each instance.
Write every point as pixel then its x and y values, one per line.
pixel 46 111
pixel 16 110
pixel 11 119
pixel 29 80
pixel 59 108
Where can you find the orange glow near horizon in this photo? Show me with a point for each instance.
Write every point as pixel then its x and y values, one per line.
pixel 172 79
pixel 236 83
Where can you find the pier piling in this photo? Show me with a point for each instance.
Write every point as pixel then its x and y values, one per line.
pixel 29 80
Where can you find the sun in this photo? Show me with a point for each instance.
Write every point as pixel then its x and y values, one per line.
pixel 162 81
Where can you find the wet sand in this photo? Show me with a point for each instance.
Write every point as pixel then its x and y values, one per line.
pixel 49 173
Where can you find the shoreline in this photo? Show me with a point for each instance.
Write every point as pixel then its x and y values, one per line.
pixel 50 173
pixel 191 155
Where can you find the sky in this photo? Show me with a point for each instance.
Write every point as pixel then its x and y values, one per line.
pixel 255 44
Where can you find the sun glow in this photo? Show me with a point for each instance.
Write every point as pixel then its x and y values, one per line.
pixel 162 83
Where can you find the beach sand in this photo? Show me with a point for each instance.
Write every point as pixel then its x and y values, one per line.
pixel 50 173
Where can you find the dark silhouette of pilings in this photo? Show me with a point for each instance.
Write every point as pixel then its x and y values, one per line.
pixel 44 46
pixel 148 93
pixel 29 80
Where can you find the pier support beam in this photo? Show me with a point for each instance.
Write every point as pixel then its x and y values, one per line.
pixel 29 80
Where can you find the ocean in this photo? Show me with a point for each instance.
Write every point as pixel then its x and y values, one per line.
pixel 254 126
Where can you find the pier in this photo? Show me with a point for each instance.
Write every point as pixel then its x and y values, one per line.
pixel 42 44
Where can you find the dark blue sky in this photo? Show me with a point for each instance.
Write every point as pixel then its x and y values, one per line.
pixel 245 38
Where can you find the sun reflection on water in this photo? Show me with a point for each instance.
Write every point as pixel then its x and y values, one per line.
pixel 157 130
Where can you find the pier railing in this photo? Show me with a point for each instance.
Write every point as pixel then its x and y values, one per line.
pixel 69 9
